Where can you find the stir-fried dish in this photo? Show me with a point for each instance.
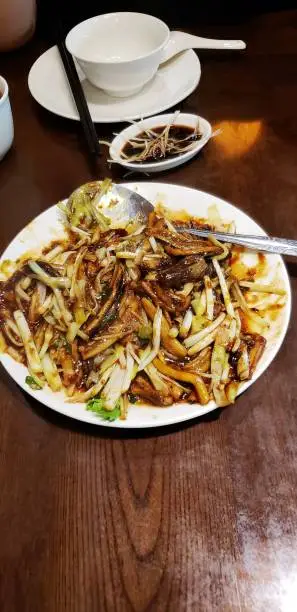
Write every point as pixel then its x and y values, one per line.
pixel 143 313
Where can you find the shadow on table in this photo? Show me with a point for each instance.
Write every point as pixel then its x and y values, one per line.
pixel 292 268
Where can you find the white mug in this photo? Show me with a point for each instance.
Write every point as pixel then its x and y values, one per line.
pixel 6 123
pixel 121 52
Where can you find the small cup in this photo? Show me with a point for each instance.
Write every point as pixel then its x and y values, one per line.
pixel 6 122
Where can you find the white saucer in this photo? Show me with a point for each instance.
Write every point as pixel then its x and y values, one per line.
pixel 173 82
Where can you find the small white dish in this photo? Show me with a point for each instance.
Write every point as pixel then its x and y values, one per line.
pixel 6 122
pixel 173 82
pixel 121 52
pixel 183 119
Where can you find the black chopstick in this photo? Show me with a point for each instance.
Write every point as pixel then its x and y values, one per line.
pixel 79 97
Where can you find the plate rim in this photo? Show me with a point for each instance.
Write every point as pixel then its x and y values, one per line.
pixel 103 119
pixel 91 418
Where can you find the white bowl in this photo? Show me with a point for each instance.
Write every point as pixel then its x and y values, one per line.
pixel 185 119
pixel 119 52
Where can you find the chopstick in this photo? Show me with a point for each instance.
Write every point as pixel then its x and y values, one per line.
pixel 79 97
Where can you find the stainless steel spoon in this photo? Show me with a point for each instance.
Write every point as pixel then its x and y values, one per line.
pixel 131 204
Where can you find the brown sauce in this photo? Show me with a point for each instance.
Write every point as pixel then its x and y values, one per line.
pixel 178 132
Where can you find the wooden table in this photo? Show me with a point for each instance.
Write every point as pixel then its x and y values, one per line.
pixel 201 517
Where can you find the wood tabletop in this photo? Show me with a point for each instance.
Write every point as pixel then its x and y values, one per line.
pixel 199 517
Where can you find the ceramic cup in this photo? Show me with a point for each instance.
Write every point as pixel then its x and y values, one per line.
pixel 118 52
pixel 6 123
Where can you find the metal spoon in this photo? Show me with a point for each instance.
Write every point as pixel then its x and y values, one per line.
pixel 131 204
pixel 121 205
pixel 266 244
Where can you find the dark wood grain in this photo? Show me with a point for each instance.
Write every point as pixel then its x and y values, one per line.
pixel 200 517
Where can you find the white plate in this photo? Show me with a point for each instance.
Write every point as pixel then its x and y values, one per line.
pixel 47 226
pixel 186 119
pixel 173 82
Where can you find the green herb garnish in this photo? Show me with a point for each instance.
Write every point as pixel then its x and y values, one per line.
pixel 97 405
pixel 34 382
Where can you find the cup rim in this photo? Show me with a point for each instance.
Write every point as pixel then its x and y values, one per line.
pixel 121 62
pixel 5 92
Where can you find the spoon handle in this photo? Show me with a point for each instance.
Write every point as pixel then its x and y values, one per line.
pixel 181 41
pixel 281 246
pixel 198 42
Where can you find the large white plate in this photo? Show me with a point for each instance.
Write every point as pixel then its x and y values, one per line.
pixel 173 82
pixel 47 226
